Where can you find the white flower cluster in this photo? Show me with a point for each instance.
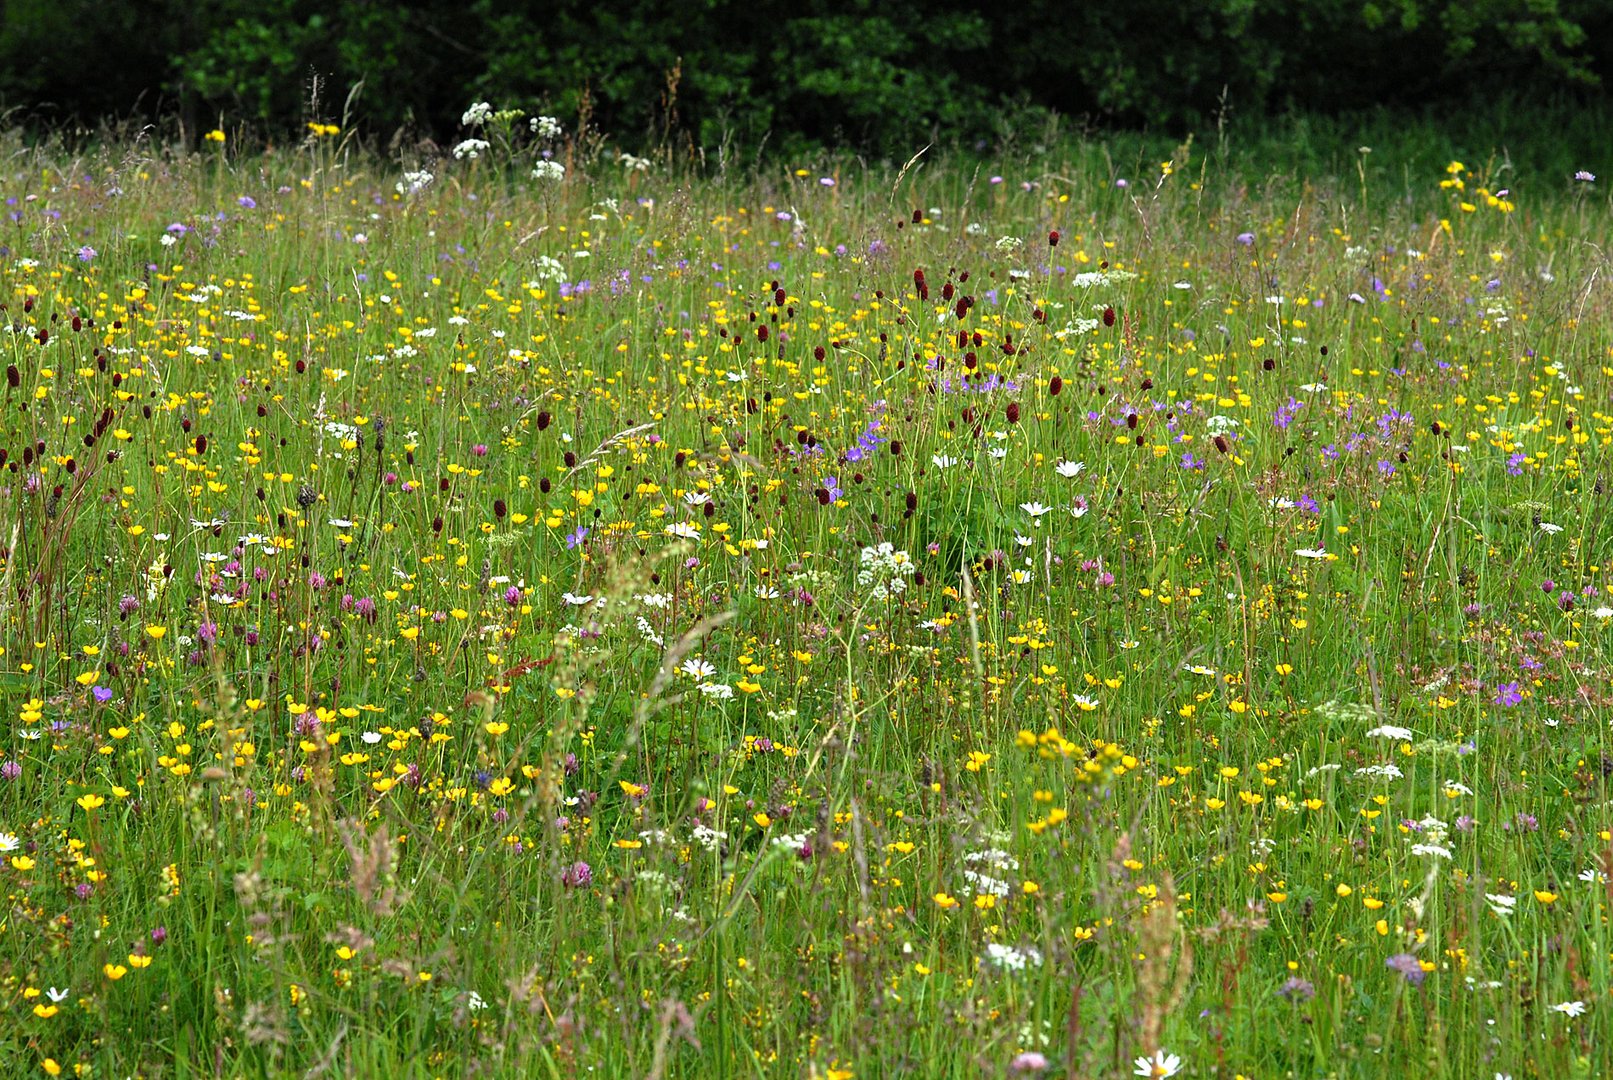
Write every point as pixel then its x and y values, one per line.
pixel 647 632
pixel 985 884
pixel 548 170
pixel 993 857
pixel 547 268
pixel 545 127
pixel 413 183
pixel 470 149
pixel 1092 278
pixel 1008 958
pixel 1077 328
pixel 707 837
pixel 476 115
pixel 886 569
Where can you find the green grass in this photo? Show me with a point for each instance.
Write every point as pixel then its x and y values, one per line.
pixel 321 705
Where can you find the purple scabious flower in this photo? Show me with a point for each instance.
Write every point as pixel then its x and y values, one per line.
pixel 1407 965
pixel 1297 989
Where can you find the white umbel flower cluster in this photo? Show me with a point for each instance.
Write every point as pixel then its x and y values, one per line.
pixel 886 570
pixel 413 183
pixel 1008 958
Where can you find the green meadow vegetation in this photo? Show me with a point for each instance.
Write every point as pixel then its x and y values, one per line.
pixel 528 610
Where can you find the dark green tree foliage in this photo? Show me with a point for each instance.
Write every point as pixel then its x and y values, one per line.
pixel 882 76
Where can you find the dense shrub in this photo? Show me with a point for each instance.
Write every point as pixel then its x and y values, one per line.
pixel 882 77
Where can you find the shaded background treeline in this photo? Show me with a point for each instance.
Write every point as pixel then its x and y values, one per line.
pixel 791 74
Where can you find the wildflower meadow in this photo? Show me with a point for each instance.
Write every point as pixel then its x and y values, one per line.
pixel 528 610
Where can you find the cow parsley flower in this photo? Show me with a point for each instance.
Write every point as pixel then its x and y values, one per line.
pixel 1008 958
pixel 884 570
pixel 413 183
